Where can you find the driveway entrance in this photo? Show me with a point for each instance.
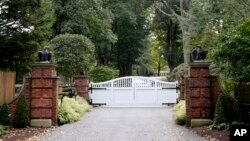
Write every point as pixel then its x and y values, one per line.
pixel 124 124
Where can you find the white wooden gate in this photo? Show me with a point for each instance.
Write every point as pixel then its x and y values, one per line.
pixel 134 90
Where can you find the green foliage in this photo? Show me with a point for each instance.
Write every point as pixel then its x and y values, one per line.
pixel 240 112
pixel 92 19
pixel 131 27
pixel 179 71
pixel 71 110
pixel 180 112
pixel 227 86
pixel 24 27
pixel 223 111
pixel 4 115
pixel 21 117
pixel 235 52
pixel 103 73
pixel 3 130
pixel 74 54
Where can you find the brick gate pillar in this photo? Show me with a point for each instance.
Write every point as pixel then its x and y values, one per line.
pixel 198 92
pixel 44 95
pixel 81 83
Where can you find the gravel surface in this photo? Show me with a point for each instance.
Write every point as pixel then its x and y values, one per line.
pixel 123 124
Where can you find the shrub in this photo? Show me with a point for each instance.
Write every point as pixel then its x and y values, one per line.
pixel 102 73
pixel 21 117
pixel 71 110
pixel 223 110
pixel 180 113
pixel 181 70
pixel 240 112
pixel 3 130
pixel 4 112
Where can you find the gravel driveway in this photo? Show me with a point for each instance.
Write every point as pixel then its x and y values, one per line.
pixel 123 124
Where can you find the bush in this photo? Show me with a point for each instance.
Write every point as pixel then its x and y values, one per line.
pixel 179 71
pixel 223 111
pixel 240 112
pixel 4 114
pixel 71 110
pixel 102 73
pixel 180 113
pixel 3 130
pixel 21 117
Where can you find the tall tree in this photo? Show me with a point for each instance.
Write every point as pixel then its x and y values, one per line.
pixel 166 28
pixel 129 25
pixel 24 27
pixel 89 18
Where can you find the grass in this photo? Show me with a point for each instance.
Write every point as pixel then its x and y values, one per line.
pixel 3 130
pixel 180 113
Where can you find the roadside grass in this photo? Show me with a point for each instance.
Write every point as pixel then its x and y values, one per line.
pixel 71 109
pixel 180 113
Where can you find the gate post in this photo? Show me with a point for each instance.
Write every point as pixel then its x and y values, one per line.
pixel 198 93
pixel 82 86
pixel 44 95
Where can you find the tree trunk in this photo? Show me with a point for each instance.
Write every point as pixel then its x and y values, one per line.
pixel 186 47
pixel 185 6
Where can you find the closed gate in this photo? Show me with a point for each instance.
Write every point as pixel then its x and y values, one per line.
pixel 134 90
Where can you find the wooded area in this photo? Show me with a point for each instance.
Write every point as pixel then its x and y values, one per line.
pixel 132 37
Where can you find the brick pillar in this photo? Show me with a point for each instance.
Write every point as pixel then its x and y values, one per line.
pixel 182 88
pixel 82 86
pixel 198 92
pixel 44 93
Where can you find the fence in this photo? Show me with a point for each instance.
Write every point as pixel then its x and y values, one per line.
pixel 242 91
pixel 7 86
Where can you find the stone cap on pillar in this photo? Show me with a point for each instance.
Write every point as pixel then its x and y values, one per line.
pixel 200 64
pixel 43 65
pixel 81 77
pixel 44 70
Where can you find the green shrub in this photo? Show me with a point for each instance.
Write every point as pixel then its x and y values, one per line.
pixel 3 130
pixel 102 73
pixel 227 86
pixel 21 117
pixel 240 112
pixel 180 113
pixel 71 110
pixel 4 114
pixel 223 110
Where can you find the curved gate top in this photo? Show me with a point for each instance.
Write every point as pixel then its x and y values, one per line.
pixel 134 90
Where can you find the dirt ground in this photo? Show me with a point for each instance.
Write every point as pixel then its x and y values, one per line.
pixel 212 135
pixel 23 134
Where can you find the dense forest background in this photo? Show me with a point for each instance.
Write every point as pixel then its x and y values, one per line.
pixel 131 37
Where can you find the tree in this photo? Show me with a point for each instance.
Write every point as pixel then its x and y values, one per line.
pixel 166 28
pixel 24 27
pixel 4 112
pixel 89 18
pixel 130 26
pixel 234 52
pixel 21 117
pixel 74 54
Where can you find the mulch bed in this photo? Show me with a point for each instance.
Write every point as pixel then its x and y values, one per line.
pixel 23 134
pixel 212 135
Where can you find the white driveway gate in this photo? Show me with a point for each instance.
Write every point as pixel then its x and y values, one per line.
pixel 134 90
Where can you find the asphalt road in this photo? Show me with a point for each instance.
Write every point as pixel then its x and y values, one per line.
pixel 123 124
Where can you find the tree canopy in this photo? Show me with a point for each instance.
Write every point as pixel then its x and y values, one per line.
pixel 74 54
pixel 24 26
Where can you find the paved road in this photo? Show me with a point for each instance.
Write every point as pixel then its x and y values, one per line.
pixel 123 124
